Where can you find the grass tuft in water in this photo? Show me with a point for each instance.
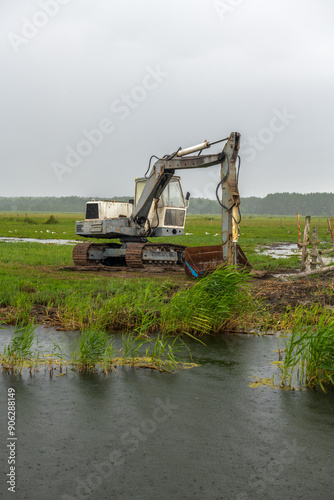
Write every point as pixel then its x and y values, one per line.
pixel 309 357
pixel 93 353
pixel 19 350
pixel 93 347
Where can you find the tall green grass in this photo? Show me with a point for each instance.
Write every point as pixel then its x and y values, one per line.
pixel 213 304
pixel 309 356
pixel 92 347
pixel 19 351
pixel 216 302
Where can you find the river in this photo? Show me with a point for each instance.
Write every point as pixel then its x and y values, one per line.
pixel 201 433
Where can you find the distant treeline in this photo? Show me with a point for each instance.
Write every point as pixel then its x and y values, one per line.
pixel 48 204
pixel 272 204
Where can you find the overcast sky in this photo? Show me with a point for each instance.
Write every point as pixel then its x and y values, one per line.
pixel 91 89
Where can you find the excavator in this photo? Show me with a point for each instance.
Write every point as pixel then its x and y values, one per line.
pixel 159 210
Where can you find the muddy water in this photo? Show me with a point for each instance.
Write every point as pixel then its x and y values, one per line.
pixel 285 250
pixel 279 250
pixel 201 433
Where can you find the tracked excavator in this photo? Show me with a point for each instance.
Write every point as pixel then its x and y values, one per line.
pixel 159 210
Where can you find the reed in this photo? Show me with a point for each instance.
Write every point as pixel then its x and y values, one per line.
pixel 213 304
pixel 92 348
pixel 93 353
pixel 18 352
pixel 309 356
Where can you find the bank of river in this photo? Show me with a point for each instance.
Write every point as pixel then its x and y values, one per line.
pixel 200 433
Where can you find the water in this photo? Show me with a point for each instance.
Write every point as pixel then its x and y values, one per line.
pixel 285 250
pixel 280 250
pixel 53 241
pixel 201 433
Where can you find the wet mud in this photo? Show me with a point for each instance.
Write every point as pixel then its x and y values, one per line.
pixel 279 296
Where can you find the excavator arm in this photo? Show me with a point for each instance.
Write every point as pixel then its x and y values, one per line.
pixel 164 169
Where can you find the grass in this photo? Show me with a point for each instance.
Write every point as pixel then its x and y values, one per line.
pixel 254 232
pixel 214 304
pixel 33 286
pixel 309 356
pixel 19 352
pixel 39 225
pixel 94 353
pixel 141 305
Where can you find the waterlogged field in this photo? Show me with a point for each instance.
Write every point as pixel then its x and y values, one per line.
pixel 199 231
pixel 35 287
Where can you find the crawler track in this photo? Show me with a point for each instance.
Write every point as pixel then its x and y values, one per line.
pixel 137 256
pixel 80 254
pixel 133 256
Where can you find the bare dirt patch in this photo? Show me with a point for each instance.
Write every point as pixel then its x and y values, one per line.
pixel 279 296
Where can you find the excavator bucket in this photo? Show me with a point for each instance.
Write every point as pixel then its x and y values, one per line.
pixel 203 260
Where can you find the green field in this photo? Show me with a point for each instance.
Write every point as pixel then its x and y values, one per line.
pixel 255 232
pixel 32 284
pixel 35 288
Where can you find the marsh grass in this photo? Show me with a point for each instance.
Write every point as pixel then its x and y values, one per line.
pixel 93 347
pixel 216 302
pixel 303 315
pixel 309 356
pixel 93 353
pixel 19 352
pixel 213 304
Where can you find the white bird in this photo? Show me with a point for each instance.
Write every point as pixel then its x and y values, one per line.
pixel 206 232
pixel 216 234
pixel 64 233
pixel 48 231
pixel 53 232
pixel 10 231
pixel 41 231
pixel 189 234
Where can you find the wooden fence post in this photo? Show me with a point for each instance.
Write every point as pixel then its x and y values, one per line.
pixel 299 233
pixel 314 247
pixel 305 256
pixel 331 229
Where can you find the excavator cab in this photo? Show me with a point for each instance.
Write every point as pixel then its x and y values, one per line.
pixel 167 214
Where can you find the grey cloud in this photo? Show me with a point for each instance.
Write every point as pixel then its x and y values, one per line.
pixel 223 75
